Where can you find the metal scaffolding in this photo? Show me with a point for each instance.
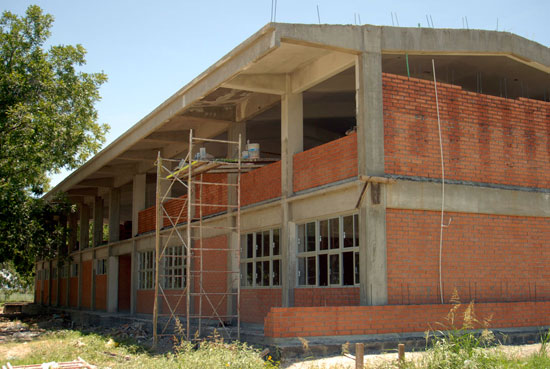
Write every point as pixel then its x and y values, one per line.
pixel 180 268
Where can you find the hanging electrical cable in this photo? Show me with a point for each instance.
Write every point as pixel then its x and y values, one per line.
pixel 442 186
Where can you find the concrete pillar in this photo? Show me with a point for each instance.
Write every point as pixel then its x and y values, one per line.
pixel 97 234
pixel 114 215
pixel 112 284
pixel 292 142
pixel 134 279
pixel 234 238
pixel 84 237
pixel 138 200
pixel 73 225
pixel 370 150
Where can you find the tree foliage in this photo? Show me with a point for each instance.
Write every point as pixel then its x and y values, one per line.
pixel 48 121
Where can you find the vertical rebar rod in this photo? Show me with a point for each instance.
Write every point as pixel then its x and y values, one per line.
pixel 157 249
pixel 189 210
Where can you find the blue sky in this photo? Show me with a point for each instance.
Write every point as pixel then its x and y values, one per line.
pixel 150 49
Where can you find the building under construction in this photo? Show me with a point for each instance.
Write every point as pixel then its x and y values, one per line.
pixel 325 180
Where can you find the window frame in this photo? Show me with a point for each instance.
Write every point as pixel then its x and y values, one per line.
pixel 318 252
pixel 101 266
pixel 259 257
pixel 74 270
pixel 170 272
pixel 146 270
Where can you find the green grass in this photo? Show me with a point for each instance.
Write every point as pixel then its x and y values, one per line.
pixel 68 345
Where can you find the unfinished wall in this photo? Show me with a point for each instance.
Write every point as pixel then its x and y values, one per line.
pixel 63 292
pixel 485 257
pixel 38 291
pixel 54 291
pixel 101 292
pixel 350 320
pixel 124 281
pixel 327 163
pixel 332 296
pixel 86 301
pixel 256 302
pixel 485 138
pixel 144 301
pixel 261 184
pixel 213 281
pixel 46 292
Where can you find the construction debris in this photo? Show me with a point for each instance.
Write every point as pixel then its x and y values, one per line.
pixel 80 363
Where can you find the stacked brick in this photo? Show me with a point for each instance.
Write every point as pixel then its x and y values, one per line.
pixel 261 184
pixel 343 296
pixel 485 138
pixel 327 163
pixel 359 320
pixel 256 302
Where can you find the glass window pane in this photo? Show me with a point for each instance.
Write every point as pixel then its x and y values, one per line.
pixel 249 246
pixel 348 269
pixel 335 233
pixel 356 268
pixel 258 273
pixel 310 237
pixel 301 271
pixel 301 237
pixel 249 274
pixel 276 272
pixel 356 230
pixel 348 231
pixel 323 230
pixel 265 276
pixel 311 271
pixel 323 270
pixel 265 242
pixel 335 269
pixel 276 242
pixel 259 245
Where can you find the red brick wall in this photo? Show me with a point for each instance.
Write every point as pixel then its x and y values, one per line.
pixel 73 292
pixel 485 257
pixel 38 291
pixel 354 320
pixel 176 303
pixel 86 284
pixel 54 291
pixel 331 162
pixel 63 292
pixel 124 281
pixel 261 184
pixel 343 296
pixel 212 194
pixel 485 138
pixel 145 300
pixel 215 280
pixel 256 302
pixel 46 292
pixel 101 292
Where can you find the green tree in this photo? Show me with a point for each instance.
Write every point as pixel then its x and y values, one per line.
pixel 48 121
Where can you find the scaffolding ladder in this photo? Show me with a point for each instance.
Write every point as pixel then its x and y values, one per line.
pixel 180 270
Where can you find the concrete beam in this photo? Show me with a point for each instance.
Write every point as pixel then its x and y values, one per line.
pixel 97 182
pixel 467 199
pixel 169 137
pixel 320 70
pixel 139 155
pixel 88 191
pixel 254 105
pixel 262 83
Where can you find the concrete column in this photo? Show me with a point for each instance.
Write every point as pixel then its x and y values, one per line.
pixel 97 234
pixel 292 142
pixel 112 284
pixel 138 200
pixel 114 215
pixel 84 237
pixel 234 238
pixel 370 150
pixel 134 279
pixel 73 225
